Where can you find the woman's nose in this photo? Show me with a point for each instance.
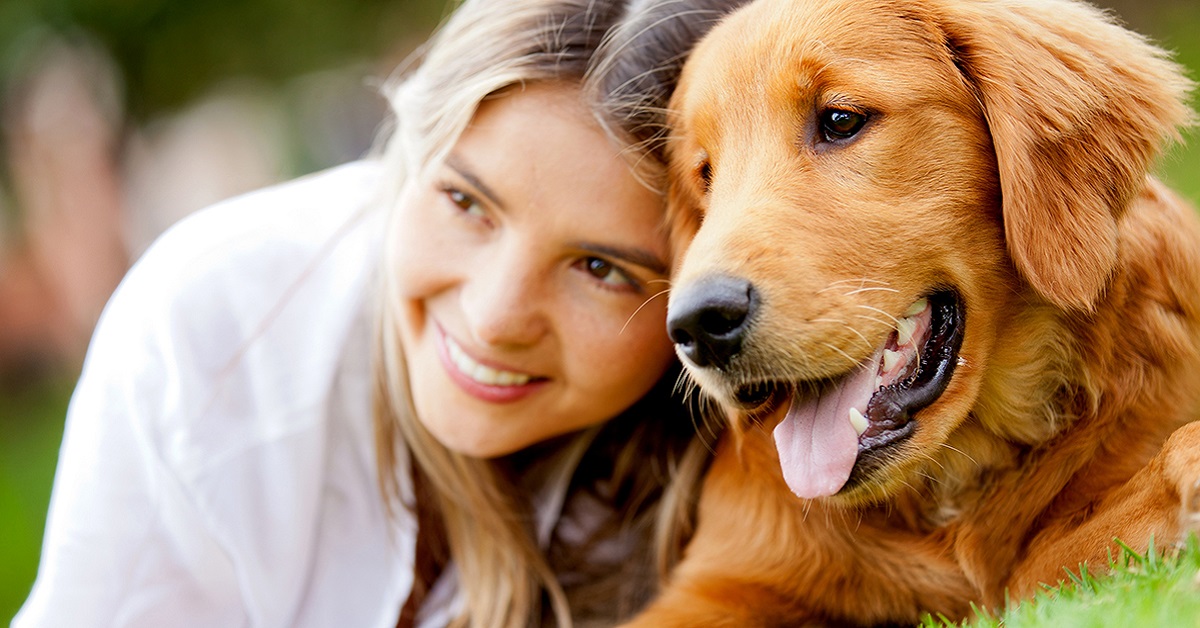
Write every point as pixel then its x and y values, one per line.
pixel 504 301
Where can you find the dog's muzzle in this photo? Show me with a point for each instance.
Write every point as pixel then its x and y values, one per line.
pixel 709 320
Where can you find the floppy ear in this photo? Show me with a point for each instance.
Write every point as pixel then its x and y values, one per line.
pixel 1078 108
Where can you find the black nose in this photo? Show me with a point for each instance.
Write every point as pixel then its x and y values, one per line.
pixel 708 321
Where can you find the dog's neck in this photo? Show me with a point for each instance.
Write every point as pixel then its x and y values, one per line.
pixel 1116 376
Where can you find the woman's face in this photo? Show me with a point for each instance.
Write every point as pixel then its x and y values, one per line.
pixel 528 265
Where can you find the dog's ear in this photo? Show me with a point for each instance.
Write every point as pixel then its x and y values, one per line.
pixel 1078 109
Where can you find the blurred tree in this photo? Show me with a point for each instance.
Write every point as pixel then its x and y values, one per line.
pixel 170 51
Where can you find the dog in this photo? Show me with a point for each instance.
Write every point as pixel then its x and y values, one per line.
pixel 953 321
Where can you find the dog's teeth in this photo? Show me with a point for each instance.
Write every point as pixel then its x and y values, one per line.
pixel 904 330
pixel 891 359
pixel 917 307
pixel 858 421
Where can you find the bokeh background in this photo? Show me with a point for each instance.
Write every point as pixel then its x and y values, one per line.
pixel 118 117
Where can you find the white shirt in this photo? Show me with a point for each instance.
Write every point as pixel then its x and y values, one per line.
pixel 218 466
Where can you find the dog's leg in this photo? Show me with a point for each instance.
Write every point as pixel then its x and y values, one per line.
pixel 718 603
pixel 763 557
pixel 1182 453
pixel 747 530
pixel 1162 501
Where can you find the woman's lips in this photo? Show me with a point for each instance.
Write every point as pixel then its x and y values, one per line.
pixel 482 381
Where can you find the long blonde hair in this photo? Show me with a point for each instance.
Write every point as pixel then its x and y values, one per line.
pixel 487 46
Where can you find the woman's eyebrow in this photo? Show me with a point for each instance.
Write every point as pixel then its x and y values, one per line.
pixel 631 254
pixel 455 163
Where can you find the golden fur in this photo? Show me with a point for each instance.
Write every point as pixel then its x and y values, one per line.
pixel 1005 157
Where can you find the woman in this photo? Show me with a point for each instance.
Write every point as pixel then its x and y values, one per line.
pixel 429 389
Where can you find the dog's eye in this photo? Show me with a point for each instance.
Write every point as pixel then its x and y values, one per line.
pixel 839 124
pixel 705 174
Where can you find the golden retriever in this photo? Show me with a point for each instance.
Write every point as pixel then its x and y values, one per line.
pixel 954 321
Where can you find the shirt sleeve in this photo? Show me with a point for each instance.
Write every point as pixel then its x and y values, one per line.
pixel 217 467
pixel 125 543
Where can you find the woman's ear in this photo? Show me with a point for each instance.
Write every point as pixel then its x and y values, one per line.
pixel 1078 109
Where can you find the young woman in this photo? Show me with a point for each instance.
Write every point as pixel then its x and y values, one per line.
pixel 427 389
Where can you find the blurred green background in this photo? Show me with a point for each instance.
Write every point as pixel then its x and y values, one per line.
pixel 98 100
pixel 143 78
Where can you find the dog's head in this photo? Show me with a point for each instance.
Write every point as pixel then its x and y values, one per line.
pixel 872 189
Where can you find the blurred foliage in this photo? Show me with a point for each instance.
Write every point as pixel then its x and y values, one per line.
pixel 1177 28
pixel 171 51
pixel 31 426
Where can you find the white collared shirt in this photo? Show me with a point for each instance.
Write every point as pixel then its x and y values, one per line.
pixel 218 466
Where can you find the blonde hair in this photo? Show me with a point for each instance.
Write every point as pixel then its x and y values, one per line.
pixel 486 46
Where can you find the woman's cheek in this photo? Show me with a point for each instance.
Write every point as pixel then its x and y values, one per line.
pixel 423 251
pixel 634 352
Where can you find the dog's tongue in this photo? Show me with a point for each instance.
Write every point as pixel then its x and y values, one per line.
pixel 816 442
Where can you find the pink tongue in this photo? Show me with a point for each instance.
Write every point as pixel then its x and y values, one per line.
pixel 816 442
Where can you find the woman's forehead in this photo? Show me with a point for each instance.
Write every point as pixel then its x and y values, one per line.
pixel 541 148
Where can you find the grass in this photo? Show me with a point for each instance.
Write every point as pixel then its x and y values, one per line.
pixel 31 424
pixel 1151 589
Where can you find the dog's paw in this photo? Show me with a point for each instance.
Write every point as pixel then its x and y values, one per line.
pixel 1182 468
pixel 1189 509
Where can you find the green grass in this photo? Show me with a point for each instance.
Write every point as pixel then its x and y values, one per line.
pixel 31 424
pixel 1150 589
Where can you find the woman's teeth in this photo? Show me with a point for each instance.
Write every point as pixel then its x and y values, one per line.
pixel 483 374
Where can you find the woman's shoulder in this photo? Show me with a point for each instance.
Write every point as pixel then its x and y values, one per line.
pixel 278 224
pixel 220 441
pixel 240 320
pixel 240 257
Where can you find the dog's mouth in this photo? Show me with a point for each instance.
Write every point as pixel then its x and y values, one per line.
pixel 836 434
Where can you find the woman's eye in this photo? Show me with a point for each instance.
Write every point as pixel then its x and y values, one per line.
pixel 464 201
pixel 840 124
pixel 605 271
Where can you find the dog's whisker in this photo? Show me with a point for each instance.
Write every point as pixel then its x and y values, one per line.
pixel 844 354
pixel 876 320
pixel 639 309
pixel 933 460
pixel 931 480
pixel 854 331
pixel 866 342
pixel 871 289
pixel 681 383
pixel 861 281
pixel 908 486
pixel 961 453
pixel 894 320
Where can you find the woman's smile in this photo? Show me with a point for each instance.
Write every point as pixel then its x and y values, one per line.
pixel 487 382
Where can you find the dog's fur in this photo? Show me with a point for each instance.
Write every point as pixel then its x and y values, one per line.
pixel 1005 157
